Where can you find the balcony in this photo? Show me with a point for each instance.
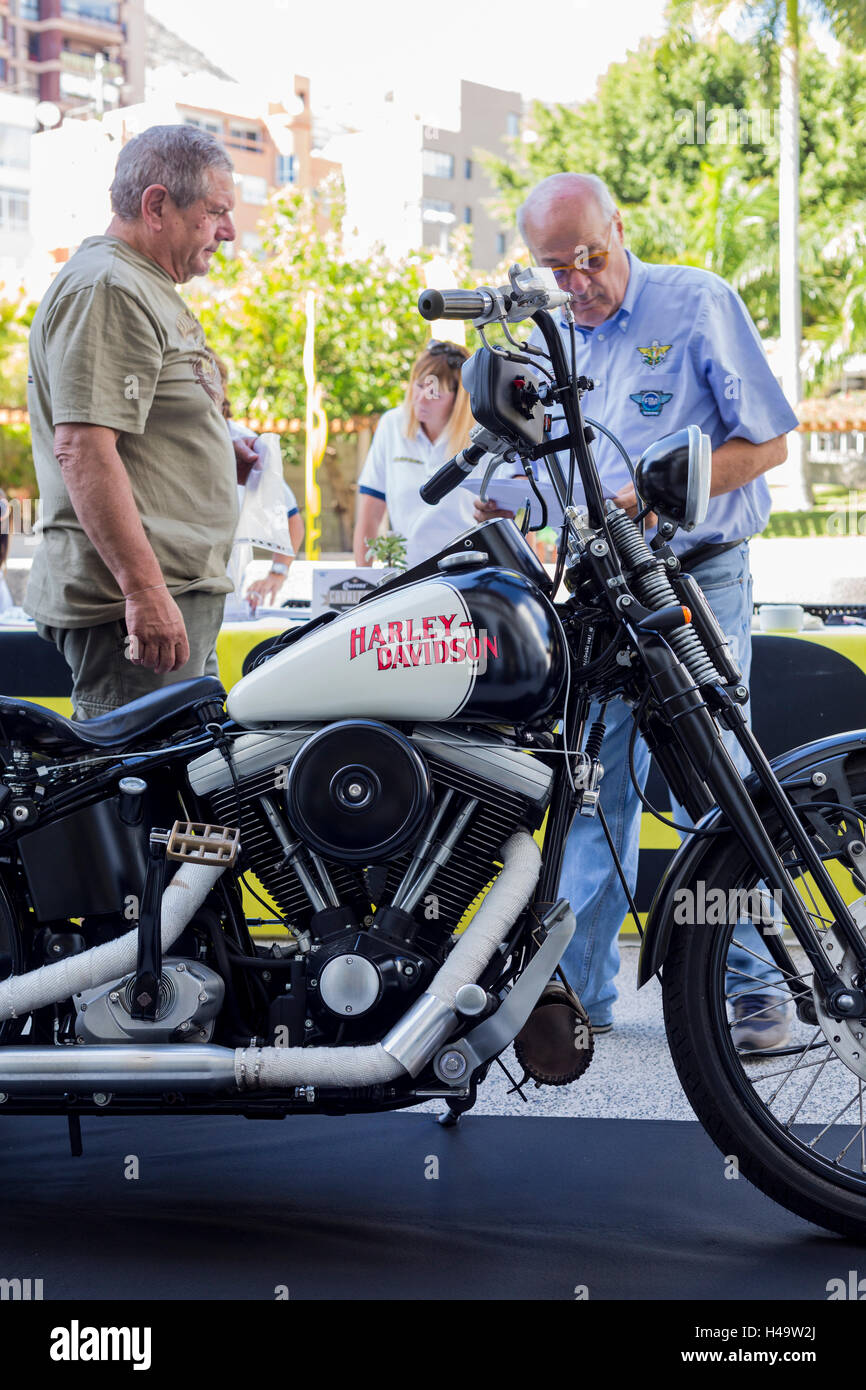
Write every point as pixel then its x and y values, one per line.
pixel 91 12
pixel 84 65
pixel 97 24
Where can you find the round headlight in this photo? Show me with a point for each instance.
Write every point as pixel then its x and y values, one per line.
pixel 673 476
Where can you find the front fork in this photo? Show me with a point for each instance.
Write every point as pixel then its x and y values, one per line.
pixel 687 713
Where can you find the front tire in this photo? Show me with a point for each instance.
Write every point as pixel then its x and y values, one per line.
pixel 795 1120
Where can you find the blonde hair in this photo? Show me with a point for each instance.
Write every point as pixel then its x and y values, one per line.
pixel 436 364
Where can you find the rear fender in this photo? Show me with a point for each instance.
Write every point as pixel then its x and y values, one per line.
pixel 827 755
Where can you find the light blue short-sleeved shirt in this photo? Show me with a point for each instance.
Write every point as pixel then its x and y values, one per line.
pixel 680 350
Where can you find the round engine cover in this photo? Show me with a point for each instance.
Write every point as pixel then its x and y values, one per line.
pixel 358 792
pixel 349 985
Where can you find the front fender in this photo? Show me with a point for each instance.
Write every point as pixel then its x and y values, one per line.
pixel 685 866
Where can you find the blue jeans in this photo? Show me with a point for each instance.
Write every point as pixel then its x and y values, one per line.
pixel 589 879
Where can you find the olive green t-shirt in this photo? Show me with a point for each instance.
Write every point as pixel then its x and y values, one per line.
pixel 113 344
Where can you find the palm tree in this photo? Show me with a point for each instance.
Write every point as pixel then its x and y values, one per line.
pixel 784 20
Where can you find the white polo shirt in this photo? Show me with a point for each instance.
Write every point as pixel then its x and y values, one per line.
pixel 394 470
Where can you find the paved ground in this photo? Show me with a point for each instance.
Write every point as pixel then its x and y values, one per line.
pixel 631 1073
pixel 632 1076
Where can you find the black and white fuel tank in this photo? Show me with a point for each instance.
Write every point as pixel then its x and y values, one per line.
pixel 479 644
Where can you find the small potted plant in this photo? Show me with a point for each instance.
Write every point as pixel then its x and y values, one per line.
pixel 388 550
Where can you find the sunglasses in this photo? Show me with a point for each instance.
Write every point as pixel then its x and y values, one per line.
pixel 455 356
pixel 587 262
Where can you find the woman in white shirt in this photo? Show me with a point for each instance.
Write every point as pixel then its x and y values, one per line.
pixel 410 444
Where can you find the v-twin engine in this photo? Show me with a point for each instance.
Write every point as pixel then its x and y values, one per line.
pixel 338 817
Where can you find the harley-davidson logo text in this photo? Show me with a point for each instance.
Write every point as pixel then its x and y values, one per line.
pixel 429 641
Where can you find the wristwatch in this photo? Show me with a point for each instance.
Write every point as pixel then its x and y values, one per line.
pixel 279 568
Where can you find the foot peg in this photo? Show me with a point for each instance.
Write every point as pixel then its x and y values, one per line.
pixel 203 844
pixel 190 842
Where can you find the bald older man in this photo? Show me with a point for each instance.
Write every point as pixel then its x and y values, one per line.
pixel 666 346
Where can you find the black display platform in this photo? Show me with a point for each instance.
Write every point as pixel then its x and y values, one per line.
pixel 522 1208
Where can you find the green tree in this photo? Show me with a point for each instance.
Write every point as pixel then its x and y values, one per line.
pixel 16 315
pixel 16 457
pixel 687 131
pixel 784 21
pixel 368 329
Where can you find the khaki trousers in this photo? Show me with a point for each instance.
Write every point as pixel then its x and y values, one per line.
pixel 102 676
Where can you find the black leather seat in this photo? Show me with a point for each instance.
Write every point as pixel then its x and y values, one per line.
pixel 151 715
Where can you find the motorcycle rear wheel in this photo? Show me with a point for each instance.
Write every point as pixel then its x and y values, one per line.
pixel 794 1120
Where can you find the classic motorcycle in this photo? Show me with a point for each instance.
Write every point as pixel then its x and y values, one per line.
pixel 398 781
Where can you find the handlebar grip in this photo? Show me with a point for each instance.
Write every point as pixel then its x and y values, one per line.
pixel 454 304
pixel 451 474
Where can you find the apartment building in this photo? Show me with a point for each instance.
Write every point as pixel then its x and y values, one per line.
pixel 16 124
pixel 73 53
pixel 413 174
pixel 455 186
pixel 270 145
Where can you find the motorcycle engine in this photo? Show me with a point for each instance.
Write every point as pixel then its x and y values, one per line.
pixel 373 844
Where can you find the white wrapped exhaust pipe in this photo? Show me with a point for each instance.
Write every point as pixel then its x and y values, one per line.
pixel 431 1020
pixel 121 1069
pixel 20 994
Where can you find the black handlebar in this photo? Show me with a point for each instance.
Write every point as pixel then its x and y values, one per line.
pixel 451 474
pixel 454 304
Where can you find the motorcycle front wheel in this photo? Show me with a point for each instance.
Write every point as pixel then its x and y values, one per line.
pixel 794 1119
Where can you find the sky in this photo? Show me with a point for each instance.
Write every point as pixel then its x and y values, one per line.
pixel 554 51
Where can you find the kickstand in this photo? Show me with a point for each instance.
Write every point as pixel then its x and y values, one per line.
pixel 450 1118
pixel 75 1145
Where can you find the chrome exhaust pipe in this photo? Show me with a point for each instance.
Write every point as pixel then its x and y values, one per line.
pixel 120 1070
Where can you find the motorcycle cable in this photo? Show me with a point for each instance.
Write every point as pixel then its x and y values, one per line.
pixel 542 525
pixel 632 905
pixel 859 816
pixel 569 492
pixel 565 704
pixel 645 802
pixel 145 758
pixel 494 464
pixel 642 512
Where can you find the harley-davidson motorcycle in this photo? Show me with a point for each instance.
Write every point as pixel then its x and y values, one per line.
pixel 394 785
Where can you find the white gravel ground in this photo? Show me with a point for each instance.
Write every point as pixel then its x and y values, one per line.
pixel 632 1075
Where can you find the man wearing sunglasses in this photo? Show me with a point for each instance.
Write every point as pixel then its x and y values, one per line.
pixel 666 346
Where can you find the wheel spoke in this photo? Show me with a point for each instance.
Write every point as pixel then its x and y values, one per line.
pixel 756 1013
pixel 808 1091
pixel 830 1123
pixel 807 1047
pixel 763 961
pixel 795 1066
pixel 859 1132
pixel 810 1099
